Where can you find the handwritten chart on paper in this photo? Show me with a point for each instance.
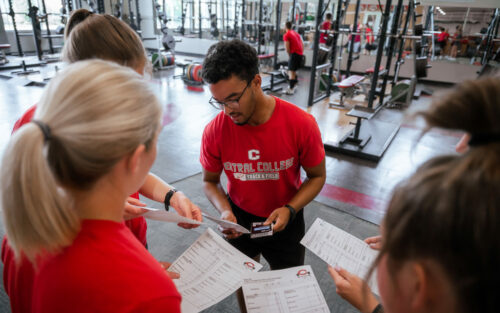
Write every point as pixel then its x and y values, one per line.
pixel 211 269
pixel 292 290
pixel 337 247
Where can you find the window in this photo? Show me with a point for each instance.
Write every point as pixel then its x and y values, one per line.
pixel 21 8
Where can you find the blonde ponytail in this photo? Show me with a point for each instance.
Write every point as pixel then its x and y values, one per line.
pixel 97 113
pixel 28 183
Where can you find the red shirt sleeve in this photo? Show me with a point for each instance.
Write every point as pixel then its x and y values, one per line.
pixel 210 157
pixel 25 118
pixel 312 151
pixel 18 279
pixel 164 305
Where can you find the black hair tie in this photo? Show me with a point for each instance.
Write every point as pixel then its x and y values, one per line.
pixel 44 128
pixel 483 139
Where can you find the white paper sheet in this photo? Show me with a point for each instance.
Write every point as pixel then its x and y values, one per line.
pixel 337 247
pixel 211 269
pixel 170 217
pixel 227 224
pixel 292 290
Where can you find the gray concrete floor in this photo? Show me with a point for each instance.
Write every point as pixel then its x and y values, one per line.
pixel 186 113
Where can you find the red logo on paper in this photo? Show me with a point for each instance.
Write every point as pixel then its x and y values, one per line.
pixel 303 273
pixel 249 265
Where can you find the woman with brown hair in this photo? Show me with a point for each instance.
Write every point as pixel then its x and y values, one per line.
pixel 90 36
pixel 440 247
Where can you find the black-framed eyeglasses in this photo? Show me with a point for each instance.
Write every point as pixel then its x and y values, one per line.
pixel 230 103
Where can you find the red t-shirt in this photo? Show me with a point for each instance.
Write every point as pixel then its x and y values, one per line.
pixel 25 118
pixel 18 277
pixel 104 270
pixel 357 38
pixel 295 42
pixel 443 36
pixel 369 35
pixel 263 162
pixel 325 26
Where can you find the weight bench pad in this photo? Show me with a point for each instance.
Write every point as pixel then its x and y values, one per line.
pixel 265 56
pixel 351 81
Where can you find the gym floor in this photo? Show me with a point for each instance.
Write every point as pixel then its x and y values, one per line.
pixel 353 198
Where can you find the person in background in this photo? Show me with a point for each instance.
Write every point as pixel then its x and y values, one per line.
pixel 295 48
pixel 326 26
pixel 456 43
pixel 442 40
pixel 369 39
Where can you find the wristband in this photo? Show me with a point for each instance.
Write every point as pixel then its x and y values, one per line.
pixel 168 196
pixel 378 309
pixel 292 212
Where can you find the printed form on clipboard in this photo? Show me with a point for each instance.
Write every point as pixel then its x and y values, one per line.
pixel 337 247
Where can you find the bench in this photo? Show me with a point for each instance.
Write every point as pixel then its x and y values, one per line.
pixel 355 84
pixel 3 56
pixel 349 87
pixel 25 70
pixel 266 59
pixel 275 78
pixel 352 137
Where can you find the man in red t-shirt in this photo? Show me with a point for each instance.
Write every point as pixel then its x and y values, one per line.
pixel 442 40
pixel 261 142
pixel 325 27
pixel 295 49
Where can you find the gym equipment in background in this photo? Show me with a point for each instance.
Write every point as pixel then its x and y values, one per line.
pixel 162 60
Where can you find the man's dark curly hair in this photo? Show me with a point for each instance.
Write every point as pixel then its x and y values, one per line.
pixel 227 58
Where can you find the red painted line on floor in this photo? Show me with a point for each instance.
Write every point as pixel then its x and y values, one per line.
pixel 171 113
pixel 353 197
pixel 195 88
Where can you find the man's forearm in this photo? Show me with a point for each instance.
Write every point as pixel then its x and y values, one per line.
pixel 309 189
pixel 217 196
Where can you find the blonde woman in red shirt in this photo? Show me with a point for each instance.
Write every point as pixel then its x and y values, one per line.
pixel 64 179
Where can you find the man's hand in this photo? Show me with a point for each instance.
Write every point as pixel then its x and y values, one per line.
pixel 353 289
pixel 132 208
pixel 229 233
pixel 186 208
pixel 172 275
pixel 374 242
pixel 280 217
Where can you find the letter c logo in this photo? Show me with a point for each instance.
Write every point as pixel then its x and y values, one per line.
pixel 253 154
